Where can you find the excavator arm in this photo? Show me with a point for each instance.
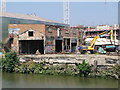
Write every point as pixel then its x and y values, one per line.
pixel 91 47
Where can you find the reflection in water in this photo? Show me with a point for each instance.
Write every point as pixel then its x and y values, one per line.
pixel 13 80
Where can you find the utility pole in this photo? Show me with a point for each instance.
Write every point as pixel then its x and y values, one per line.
pixel 3 5
pixel 66 12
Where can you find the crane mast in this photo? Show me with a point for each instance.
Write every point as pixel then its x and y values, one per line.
pixel 3 5
pixel 66 12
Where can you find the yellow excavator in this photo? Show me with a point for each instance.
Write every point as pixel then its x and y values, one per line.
pixel 91 48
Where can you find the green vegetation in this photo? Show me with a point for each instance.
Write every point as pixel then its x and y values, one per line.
pixel 10 61
pixel 31 67
pixel 113 72
pixel 43 68
pixel 116 70
pixel 1 46
pixel 84 69
pixel 0 63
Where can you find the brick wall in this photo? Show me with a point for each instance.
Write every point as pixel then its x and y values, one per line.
pixel 51 31
pixel 24 27
pixel 66 32
pixel 72 32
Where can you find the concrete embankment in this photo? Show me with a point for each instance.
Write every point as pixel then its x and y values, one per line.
pixel 69 64
pixel 102 65
pixel 72 58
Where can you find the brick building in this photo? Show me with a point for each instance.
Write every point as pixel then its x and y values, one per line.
pixel 30 38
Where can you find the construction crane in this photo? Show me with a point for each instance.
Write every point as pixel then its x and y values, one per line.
pixel 91 48
pixel 66 11
pixel 3 5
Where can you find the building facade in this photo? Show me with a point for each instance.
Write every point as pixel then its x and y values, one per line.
pixel 33 38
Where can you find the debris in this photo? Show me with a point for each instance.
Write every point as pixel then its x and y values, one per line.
pixel 37 52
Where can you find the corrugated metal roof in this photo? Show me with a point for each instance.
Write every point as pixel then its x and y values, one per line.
pixel 28 17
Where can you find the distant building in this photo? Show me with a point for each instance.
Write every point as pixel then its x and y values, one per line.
pixel 91 32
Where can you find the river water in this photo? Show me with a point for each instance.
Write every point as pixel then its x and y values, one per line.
pixel 14 80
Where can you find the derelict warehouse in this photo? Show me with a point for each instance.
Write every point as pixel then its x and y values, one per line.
pixel 28 34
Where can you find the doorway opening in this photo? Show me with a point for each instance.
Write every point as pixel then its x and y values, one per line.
pixel 73 47
pixel 58 46
pixel 31 46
